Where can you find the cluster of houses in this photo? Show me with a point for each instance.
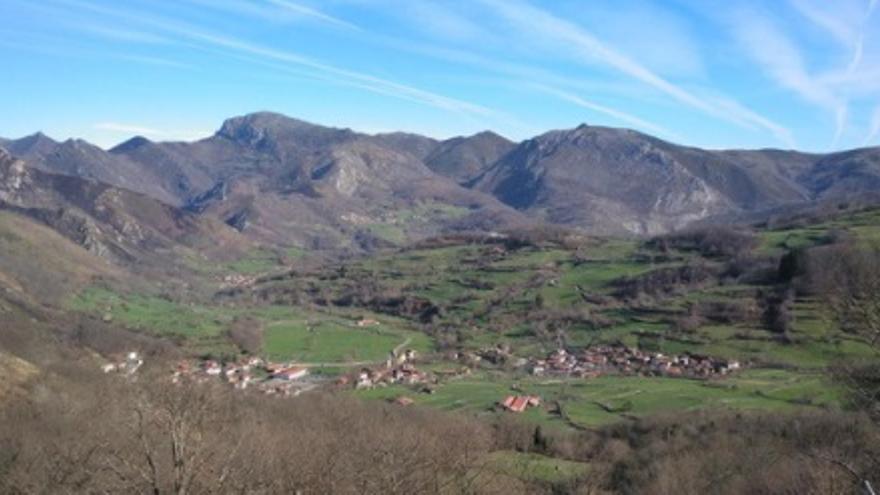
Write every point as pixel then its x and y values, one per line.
pixel 124 365
pixel 405 374
pixel 620 359
pixel 399 368
pixel 281 379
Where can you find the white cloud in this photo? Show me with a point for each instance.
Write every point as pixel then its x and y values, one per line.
pixel 278 11
pixel 748 117
pixel 846 21
pixel 841 28
pixel 261 54
pixel 782 61
pixel 128 129
pixel 874 132
pixel 111 132
pixel 312 13
pixel 573 39
pixel 668 47
pixel 150 60
pixel 366 81
pixel 125 35
pixel 621 116
pixel 436 19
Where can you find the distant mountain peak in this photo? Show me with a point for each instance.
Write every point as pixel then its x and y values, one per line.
pixel 261 129
pixel 33 143
pixel 464 158
pixel 130 145
pixel 488 134
pixel 79 145
pixel 243 126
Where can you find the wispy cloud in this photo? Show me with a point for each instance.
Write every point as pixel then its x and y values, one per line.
pixel 128 129
pixel 874 131
pixel 276 11
pixel 264 53
pixel 830 21
pixel 783 62
pixel 63 49
pixel 846 25
pixel 574 39
pixel 366 81
pixel 621 116
pixel 142 59
pixel 124 35
pixel 312 13
pixel 440 20
pixel 750 118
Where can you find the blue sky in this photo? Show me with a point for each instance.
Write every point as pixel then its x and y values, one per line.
pixel 799 74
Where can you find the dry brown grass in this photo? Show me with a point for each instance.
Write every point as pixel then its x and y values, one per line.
pixel 16 372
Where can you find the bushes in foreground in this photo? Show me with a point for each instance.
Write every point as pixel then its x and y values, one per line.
pixel 152 437
pixel 106 435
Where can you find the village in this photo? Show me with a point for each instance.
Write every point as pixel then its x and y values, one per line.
pixel 290 379
pixel 602 360
pixel 252 373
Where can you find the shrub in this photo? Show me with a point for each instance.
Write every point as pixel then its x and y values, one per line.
pixel 715 241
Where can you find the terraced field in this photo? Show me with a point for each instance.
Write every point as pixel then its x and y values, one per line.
pixel 533 297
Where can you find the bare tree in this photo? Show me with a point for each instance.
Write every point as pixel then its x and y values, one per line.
pixel 848 280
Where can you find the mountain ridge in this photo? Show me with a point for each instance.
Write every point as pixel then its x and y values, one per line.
pixel 285 179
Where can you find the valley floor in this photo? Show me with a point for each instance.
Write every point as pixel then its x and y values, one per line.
pixel 479 315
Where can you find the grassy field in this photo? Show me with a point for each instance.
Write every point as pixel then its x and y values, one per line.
pixel 256 262
pixel 335 341
pixel 289 333
pixel 154 314
pixel 784 374
pixel 447 276
pixel 594 402
pixel 863 225
pixel 486 298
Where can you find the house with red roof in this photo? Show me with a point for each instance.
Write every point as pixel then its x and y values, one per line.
pixel 291 373
pixel 519 403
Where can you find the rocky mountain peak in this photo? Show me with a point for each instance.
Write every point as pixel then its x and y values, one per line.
pixel 267 130
pixel 34 144
pixel 130 145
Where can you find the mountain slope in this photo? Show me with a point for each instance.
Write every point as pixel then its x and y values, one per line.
pixel 108 221
pixel 619 181
pixel 284 181
pixel 463 159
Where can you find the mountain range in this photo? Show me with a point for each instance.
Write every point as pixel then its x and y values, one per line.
pixel 265 178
